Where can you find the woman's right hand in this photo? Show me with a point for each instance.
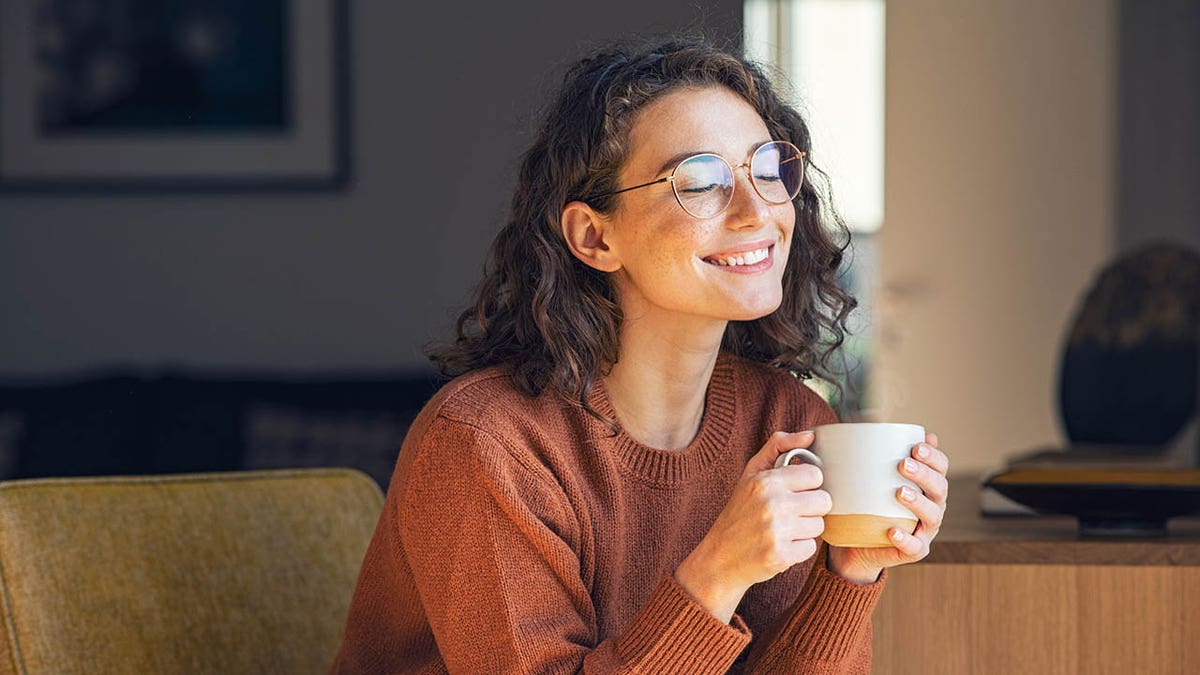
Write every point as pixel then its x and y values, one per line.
pixel 770 523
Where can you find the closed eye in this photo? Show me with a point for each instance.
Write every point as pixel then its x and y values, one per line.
pixel 700 189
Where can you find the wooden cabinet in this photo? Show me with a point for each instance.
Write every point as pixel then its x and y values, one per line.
pixel 1026 595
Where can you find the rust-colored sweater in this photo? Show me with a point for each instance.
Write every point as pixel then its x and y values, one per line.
pixel 520 536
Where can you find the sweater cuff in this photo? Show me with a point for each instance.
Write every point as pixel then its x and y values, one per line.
pixel 674 634
pixel 831 613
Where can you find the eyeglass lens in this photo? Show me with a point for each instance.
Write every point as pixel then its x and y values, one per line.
pixel 704 183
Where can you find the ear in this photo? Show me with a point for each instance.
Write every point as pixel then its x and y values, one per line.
pixel 585 231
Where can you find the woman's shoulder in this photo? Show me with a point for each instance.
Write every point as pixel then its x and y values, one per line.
pixel 479 416
pixel 480 397
pixel 479 428
pixel 489 403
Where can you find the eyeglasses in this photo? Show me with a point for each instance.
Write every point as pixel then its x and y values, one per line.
pixel 703 183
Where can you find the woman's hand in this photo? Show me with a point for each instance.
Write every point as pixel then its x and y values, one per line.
pixel 770 523
pixel 927 468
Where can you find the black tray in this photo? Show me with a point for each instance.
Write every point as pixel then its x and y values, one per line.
pixel 1106 502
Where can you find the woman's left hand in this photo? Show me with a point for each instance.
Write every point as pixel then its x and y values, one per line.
pixel 927 468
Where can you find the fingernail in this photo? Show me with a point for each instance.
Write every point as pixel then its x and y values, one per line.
pixel 897 535
pixel 907 494
pixel 923 451
pixel 910 465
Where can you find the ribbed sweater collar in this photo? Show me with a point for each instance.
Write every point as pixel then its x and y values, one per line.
pixel 674 466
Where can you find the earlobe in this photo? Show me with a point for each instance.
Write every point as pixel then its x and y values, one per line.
pixel 586 234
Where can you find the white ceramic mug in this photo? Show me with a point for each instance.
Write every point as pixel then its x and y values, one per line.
pixel 860 461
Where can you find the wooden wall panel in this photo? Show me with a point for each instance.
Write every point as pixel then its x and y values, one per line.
pixel 957 619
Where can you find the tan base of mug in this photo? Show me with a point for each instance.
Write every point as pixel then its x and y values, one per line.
pixel 863 530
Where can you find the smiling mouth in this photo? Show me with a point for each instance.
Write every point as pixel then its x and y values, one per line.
pixel 741 259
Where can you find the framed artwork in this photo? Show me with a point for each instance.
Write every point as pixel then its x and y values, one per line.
pixel 173 95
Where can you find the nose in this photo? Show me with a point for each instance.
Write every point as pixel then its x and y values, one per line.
pixel 746 209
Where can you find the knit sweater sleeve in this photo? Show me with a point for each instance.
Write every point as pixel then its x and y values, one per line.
pixel 493 547
pixel 827 629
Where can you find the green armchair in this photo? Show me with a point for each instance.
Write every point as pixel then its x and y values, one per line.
pixel 247 572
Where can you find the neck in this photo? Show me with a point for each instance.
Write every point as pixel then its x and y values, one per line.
pixel 658 386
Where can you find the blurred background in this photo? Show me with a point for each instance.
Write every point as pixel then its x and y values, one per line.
pixel 228 231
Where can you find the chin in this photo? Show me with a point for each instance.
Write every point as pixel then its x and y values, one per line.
pixel 758 312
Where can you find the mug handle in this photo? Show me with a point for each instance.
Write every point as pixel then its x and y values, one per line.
pixel 807 456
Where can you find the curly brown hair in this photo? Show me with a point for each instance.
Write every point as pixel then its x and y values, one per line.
pixel 554 321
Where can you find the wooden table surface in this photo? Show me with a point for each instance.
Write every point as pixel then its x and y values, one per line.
pixel 968 537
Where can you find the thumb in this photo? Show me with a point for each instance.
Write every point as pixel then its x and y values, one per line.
pixel 779 443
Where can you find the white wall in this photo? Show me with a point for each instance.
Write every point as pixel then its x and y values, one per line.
pixel 444 101
pixel 999 208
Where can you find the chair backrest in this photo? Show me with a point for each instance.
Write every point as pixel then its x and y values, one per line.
pixel 247 572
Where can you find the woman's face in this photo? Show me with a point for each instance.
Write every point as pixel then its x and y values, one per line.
pixel 673 264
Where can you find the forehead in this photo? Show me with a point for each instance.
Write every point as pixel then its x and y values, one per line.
pixel 694 119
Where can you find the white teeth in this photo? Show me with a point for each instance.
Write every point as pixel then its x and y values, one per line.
pixel 748 258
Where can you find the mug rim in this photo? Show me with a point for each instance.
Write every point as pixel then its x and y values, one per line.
pixel 897 425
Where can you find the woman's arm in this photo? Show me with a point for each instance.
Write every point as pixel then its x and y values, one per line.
pixel 827 629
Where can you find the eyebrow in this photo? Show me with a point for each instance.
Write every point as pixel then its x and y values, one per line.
pixel 679 157
pixel 676 159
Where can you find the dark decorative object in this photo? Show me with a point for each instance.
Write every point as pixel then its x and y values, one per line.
pixel 172 94
pixel 1129 374
pixel 1128 386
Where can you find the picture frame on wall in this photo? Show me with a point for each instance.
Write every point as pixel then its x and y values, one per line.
pixel 165 95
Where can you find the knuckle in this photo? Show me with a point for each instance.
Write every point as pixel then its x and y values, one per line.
pixel 826 501
pixel 757 486
pixel 812 527
pixel 812 475
pixel 916 547
pixel 775 558
pixel 807 549
pixel 816 503
pixel 943 488
pixel 768 520
pixel 782 541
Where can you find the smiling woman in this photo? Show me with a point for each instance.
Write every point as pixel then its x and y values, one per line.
pixel 681 268
pixel 596 491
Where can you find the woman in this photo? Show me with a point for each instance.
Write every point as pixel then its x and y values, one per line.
pixel 596 491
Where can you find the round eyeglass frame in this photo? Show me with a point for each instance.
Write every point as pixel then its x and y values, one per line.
pixel 800 155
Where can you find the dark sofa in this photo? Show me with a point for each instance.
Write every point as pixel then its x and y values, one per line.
pixel 124 423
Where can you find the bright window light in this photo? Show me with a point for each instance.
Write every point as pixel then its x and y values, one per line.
pixel 832 52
